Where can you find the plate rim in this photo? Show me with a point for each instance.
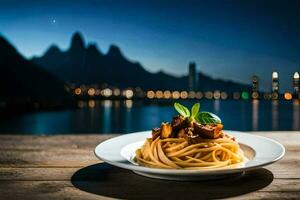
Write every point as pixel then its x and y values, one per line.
pixel 132 167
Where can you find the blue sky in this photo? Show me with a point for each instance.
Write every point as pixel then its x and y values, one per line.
pixel 227 39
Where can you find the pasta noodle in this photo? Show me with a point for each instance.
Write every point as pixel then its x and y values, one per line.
pixel 177 153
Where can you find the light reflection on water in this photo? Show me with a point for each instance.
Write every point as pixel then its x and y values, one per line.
pixel 296 115
pixel 255 108
pixel 216 106
pixel 274 114
pixel 129 116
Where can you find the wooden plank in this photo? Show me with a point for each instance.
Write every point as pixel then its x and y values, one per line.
pixel 149 189
pixel 81 157
pixel 88 141
pixel 30 142
pixel 77 151
pixel 47 158
pixel 286 168
pixel 108 178
pixel 63 167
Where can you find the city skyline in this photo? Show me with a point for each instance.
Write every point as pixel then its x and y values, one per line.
pixel 233 41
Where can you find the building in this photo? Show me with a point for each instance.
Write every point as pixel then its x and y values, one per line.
pixel 255 83
pixel 275 82
pixel 193 77
pixel 275 86
pixel 255 87
pixel 296 84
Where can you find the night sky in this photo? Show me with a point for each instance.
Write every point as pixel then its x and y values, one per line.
pixel 227 39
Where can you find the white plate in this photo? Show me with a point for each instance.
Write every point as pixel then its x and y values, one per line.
pixel 120 151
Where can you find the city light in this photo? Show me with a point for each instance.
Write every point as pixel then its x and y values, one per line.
pixel 167 94
pixel 77 91
pixel 255 95
pixel 275 75
pixel 224 95
pixel 245 95
pixel 209 95
pixel 175 95
pixel 192 94
pixel 296 84
pixel 275 82
pixel 107 92
pixel 91 92
pixel 128 93
pixel 150 94
pixel 217 94
pixel 138 92
pixel 199 95
pixel 255 84
pixel 288 96
pixel 183 94
pixel 159 94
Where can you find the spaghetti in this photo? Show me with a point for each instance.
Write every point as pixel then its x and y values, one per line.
pixel 193 140
pixel 177 153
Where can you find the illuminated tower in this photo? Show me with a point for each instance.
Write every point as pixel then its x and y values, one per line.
pixel 255 83
pixel 193 77
pixel 275 82
pixel 255 87
pixel 275 85
pixel 296 84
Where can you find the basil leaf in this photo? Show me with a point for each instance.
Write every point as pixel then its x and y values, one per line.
pixel 182 110
pixel 195 109
pixel 208 118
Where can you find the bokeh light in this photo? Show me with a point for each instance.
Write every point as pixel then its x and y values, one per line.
pixel 77 91
pixel 245 95
pixel 288 96
pixel 175 95
pixel 150 94
pixel 91 91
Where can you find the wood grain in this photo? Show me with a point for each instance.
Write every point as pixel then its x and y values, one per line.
pixel 64 167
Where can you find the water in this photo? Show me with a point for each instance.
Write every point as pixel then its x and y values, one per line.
pixel 129 116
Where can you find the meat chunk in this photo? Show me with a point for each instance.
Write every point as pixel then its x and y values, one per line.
pixel 208 131
pixel 179 122
pixel 182 134
pixel 155 133
pixel 166 130
pixel 188 134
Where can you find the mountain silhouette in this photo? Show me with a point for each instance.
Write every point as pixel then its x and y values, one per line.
pixel 22 81
pixel 86 64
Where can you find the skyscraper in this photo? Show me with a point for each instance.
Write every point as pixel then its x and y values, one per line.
pixel 193 77
pixel 255 83
pixel 296 84
pixel 275 82
pixel 255 87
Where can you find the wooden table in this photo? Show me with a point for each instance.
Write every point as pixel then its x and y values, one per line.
pixel 64 167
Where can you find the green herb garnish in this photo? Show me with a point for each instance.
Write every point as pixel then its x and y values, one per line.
pixel 195 110
pixel 208 118
pixel 201 117
pixel 183 111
